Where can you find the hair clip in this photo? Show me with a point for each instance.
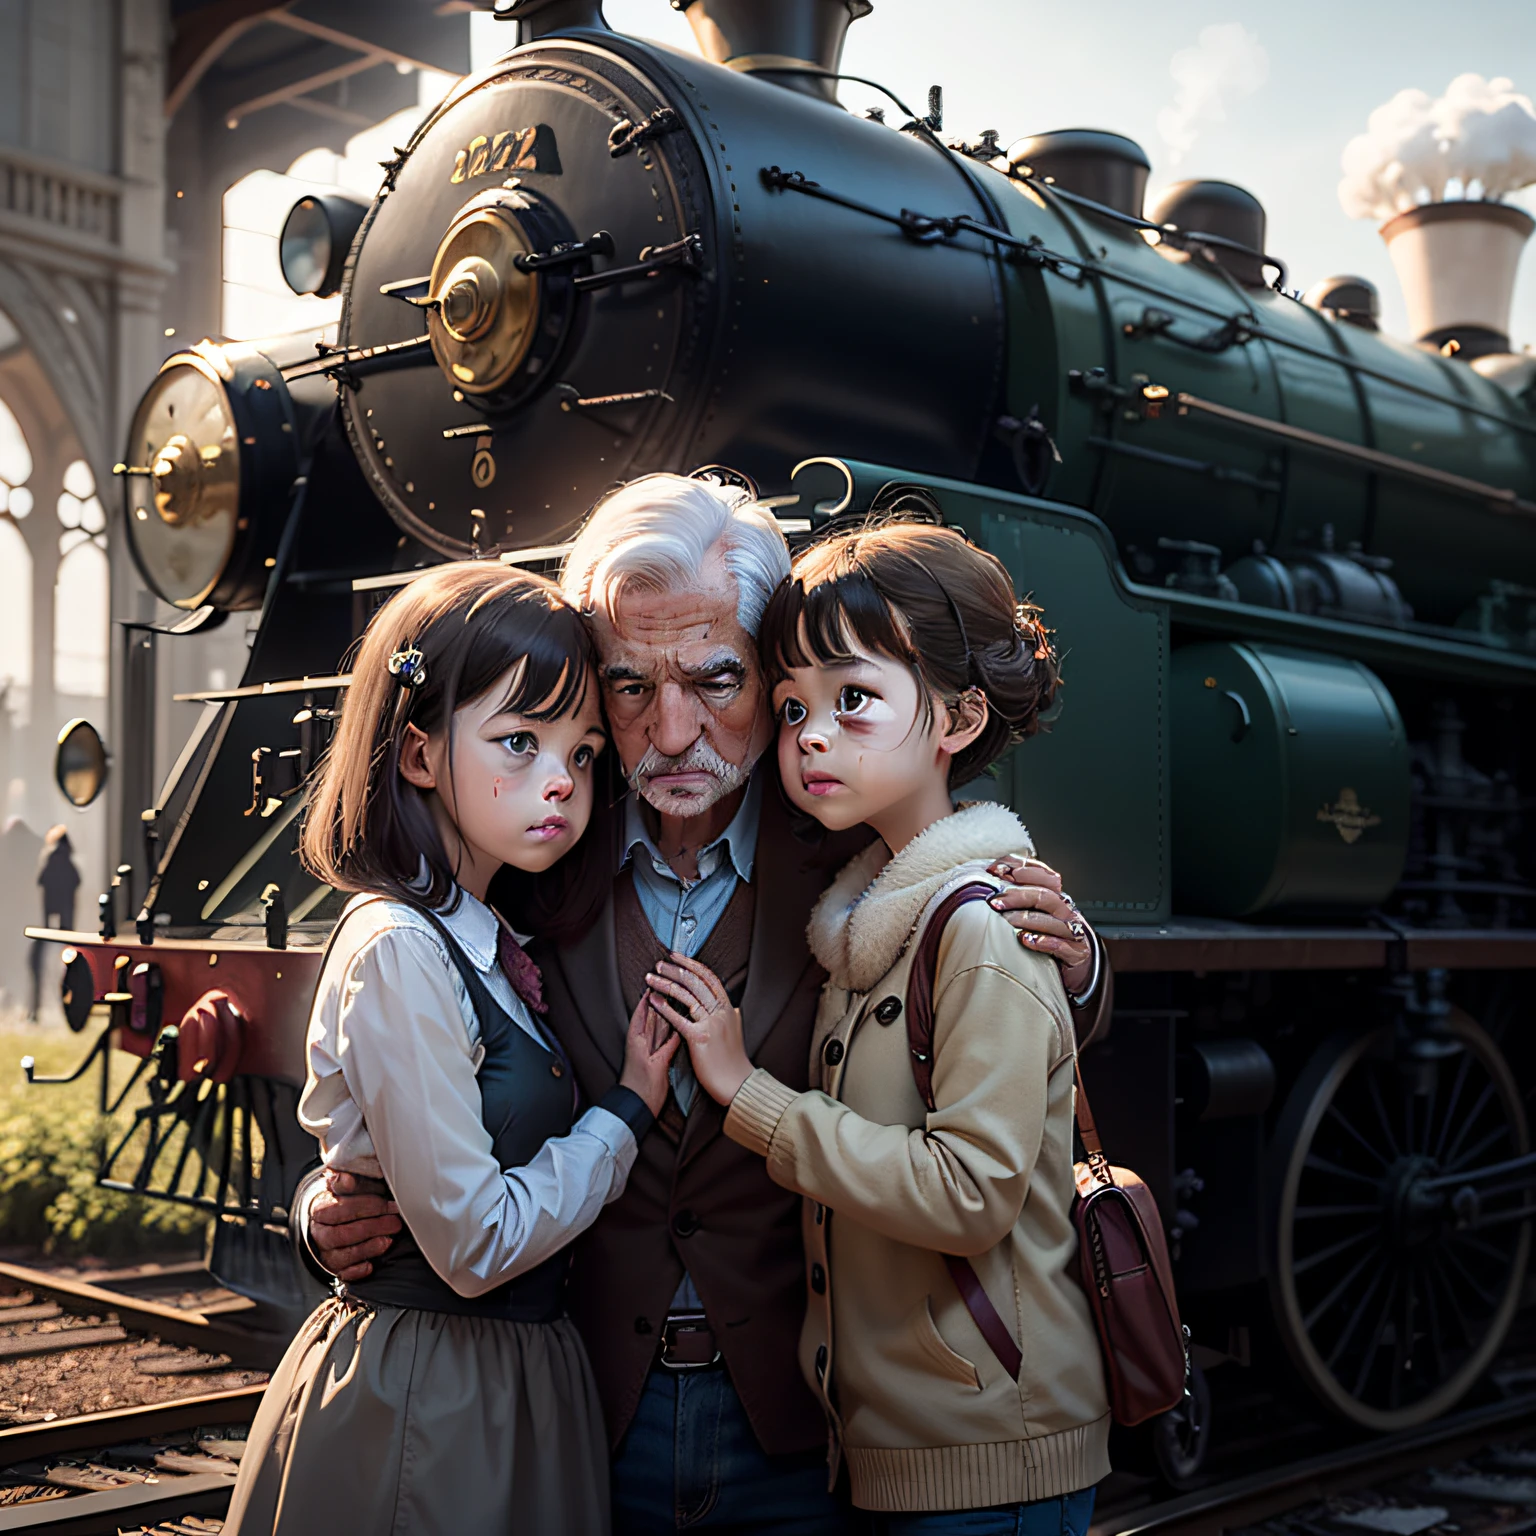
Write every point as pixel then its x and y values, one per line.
pixel 1030 628
pixel 408 667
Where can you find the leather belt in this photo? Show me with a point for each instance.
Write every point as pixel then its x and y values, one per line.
pixel 688 1343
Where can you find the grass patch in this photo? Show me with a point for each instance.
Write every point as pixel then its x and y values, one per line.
pixel 51 1142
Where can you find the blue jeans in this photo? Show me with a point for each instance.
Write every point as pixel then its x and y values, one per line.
pixel 1067 1516
pixel 689 1461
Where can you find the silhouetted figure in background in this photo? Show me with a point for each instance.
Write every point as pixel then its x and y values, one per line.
pixel 59 879
pixel 19 850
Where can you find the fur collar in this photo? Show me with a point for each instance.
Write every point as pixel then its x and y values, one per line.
pixel 861 925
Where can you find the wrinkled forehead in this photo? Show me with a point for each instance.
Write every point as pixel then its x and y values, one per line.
pixel 651 630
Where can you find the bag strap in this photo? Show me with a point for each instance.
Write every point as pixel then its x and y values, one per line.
pixel 1088 1132
pixel 921 979
pixel 920 982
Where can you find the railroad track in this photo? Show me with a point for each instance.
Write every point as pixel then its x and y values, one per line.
pixel 1471 1473
pixel 124 1399
pixel 165 1465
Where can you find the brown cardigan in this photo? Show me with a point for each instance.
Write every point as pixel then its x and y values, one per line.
pixel 706 1203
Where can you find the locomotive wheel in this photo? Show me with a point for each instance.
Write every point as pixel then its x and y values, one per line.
pixel 1389 1311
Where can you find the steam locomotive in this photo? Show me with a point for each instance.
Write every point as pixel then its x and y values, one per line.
pixel 1291 563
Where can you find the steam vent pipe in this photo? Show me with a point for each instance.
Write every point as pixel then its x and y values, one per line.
pixel 1105 168
pixel 1456 262
pixel 793 43
pixel 538 18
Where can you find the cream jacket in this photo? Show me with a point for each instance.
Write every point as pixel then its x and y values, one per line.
pixel 918 1403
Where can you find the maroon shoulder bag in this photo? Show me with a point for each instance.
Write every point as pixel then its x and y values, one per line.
pixel 1122 1253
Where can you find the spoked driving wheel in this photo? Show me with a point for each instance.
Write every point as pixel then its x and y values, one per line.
pixel 1395 1271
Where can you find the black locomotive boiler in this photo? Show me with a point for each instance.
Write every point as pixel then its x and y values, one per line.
pixel 1291 563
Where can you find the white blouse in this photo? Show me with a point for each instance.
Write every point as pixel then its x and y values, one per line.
pixel 393 1049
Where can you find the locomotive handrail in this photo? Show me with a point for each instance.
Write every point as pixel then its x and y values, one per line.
pixel 925 228
pixel 383 358
pixel 1498 498
pixel 1172 233
pixel 534 554
pixel 262 690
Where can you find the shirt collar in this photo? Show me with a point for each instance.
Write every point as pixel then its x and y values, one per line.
pixel 739 838
pixel 474 926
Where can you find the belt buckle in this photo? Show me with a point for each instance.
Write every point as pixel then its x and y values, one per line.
pixel 685 1322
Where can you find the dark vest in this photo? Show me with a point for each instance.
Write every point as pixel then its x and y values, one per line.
pixel 526 1097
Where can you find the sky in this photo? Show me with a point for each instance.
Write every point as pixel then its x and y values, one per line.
pixel 1270 104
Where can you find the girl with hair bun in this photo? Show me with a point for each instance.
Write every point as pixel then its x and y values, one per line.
pixel 947 1335
pixel 448 1391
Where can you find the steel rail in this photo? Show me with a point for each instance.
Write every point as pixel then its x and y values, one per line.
pixel 1265 1493
pixel 117 1426
pixel 172 1323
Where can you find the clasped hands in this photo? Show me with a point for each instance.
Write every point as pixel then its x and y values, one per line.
pixel 693 1000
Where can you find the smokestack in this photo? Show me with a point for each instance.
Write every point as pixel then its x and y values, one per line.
pixel 794 43
pixel 1456 262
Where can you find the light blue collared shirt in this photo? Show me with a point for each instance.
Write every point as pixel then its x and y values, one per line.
pixel 683 914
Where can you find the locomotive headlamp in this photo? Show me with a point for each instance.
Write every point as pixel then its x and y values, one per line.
pixel 211 461
pixel 81 763
pixel 317 234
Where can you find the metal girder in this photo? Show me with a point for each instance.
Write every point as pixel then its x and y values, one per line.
pixel 308 69
pixel 419 32
pixel 346 38
pixel 202 36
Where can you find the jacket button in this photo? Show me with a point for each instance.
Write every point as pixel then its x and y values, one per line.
pixel 821 1362
pixel 833 1052
pixel 685 1223
pixel 556 1070
pixel 818 1279
pixel 888 1011
pixel 642 1325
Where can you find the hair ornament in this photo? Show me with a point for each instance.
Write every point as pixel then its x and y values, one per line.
pixel 1032 631
pixel 408 667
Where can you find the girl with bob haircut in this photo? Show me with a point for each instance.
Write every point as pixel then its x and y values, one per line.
pixel 947 1335
pixel 448 1391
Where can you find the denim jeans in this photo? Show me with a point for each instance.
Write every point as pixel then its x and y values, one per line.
pixel 689 1461
pixel 1067 1516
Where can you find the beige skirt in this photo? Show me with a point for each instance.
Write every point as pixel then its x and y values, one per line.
pixel 384 1421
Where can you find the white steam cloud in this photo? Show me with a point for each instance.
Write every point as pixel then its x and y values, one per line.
pixel 1227 63
pixel 1478 139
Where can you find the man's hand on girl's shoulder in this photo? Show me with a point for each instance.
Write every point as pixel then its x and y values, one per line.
pixel 352 1221
pixel 1046 918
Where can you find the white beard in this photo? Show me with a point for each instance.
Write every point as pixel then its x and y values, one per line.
pixel 725 779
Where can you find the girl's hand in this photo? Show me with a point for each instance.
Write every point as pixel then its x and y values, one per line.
pixel 649 1047
pixel 692 999
pixel 1046 918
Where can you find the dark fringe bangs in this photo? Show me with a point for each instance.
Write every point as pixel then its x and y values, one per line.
pixel 811 619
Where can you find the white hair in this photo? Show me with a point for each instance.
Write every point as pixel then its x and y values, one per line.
pixel 657 533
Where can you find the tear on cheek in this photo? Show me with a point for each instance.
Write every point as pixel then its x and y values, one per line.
pixel 495 789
